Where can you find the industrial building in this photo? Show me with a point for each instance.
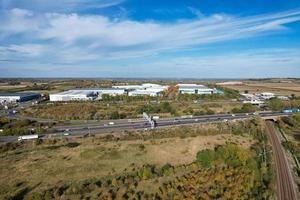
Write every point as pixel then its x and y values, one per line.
pixel 73 95
pixel 194 89
pixel 18 97
pixel 128 87
pixel 140 87
pixel 149 91
pixel 85 94
pixel 100 91
pixel 267 95
pixel 144 89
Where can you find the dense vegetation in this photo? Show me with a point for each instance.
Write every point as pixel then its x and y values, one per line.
pixel 277 104
pixel 120 110
pixel 225 172
pixel 246 108
pixel 291 127
pixel 233 173
pixel 21 127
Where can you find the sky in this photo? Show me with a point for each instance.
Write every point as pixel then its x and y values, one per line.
pixel 150 38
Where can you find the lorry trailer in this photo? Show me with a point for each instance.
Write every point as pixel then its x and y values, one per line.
pixel 291 110
pixel 28 137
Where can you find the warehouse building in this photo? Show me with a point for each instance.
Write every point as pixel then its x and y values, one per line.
pixel 100 91
pixel 194 89
pixel 18 97
pixel 149 91
pixel 85 94
pixel 140 87
pixel 73 95
pixel 267 95
pixel 128 87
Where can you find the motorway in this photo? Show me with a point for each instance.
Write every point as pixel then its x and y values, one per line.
pixel 285 183
pixel 60 132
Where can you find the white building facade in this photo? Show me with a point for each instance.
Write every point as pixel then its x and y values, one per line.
pixel 18 97
pixel 194 89
pixel 72 95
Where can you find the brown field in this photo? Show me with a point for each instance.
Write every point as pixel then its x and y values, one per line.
pixel 279 88
pixel 45 165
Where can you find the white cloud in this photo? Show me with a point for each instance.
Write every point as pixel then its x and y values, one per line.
pixel 27 50
pixel 77 38
pixel 58 5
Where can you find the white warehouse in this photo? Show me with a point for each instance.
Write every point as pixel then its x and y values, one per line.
pixel 18 97
pixel 144 89
pixel 72 95
pixel 141 87
pixel 85 94
pixel 150 91
pixel 194 89
pixel 100 91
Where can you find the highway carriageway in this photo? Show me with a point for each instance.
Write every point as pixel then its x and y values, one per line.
pixel 81 131
pixel 166 121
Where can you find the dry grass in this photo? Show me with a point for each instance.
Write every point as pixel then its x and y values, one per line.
pixel 279 88
pixel 47 165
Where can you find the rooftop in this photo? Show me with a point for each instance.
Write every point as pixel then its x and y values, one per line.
pixel 74 92
pixel 23 94
pixel 192 86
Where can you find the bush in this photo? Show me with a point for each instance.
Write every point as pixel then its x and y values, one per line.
pixel 206 157
pixel 72 144
pixel 246 108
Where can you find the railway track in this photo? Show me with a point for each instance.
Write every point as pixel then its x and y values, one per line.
pixel 285 183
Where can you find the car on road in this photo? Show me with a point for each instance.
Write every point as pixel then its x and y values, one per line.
pixel 66 134
pixel 111 123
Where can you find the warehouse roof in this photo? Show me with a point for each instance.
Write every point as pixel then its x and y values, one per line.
pixel 192 86
pixel 23 94
pixel 74 92
pixel 96 89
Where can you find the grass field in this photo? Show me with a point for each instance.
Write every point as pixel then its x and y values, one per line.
pixel 40 166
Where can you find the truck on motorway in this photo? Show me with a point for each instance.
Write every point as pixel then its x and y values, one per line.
pixel 28 137
pixel 291 110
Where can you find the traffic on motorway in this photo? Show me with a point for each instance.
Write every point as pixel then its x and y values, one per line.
pixel 84 130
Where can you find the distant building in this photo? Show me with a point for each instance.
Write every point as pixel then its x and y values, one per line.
pixel 100 91
pixel 150 91
pixel 128 87
pixel 230 83
pixel 267 95
pixel 194 89
pixel 254 102
pixel 144 89
pixel 249 96
pixel 72 95
pixel 141 87
pixel 285 98
pixel 18 97
pixel 85 94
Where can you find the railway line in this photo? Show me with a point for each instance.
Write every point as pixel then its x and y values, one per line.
pixel 285 184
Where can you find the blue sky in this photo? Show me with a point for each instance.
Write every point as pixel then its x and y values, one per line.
pixel 149 38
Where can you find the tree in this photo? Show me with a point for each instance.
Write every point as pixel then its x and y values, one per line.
pixel 275 104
